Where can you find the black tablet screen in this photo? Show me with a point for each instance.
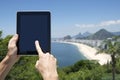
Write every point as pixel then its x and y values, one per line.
pixel 33 26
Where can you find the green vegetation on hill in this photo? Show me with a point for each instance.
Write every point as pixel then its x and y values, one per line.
pixel 82 70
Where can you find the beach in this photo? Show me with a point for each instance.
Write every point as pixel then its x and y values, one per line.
pixel 91 53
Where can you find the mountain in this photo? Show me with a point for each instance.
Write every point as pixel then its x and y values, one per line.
pixel 116 33
pixel 86 34
pixel 67 37
pixel 78 36
pixel 100 35
pixel 81 36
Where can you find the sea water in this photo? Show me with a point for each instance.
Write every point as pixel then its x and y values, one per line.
pixel 66 54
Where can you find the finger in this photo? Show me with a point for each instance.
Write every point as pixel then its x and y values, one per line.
pixel 13 40
pixel 36 63
pixel 52 56
pixel 39 50
pixel 47 56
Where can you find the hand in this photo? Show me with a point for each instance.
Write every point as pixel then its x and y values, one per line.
pixel 10 59
pixel 46 64
pixel 12 49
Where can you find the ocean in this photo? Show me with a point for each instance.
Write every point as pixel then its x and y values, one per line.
pixel 66 54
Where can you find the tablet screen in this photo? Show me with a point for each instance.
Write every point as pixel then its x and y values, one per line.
pixel 33 26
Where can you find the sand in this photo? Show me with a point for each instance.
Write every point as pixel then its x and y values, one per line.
pixel 91 53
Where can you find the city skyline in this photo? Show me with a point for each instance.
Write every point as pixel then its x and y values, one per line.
pixel 67 17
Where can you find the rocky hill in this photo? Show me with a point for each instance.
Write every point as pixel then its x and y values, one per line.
pixel 100 35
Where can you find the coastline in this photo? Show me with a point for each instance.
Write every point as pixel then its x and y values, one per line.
pixel 90 53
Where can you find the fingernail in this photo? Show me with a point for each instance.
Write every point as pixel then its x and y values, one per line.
pixel 16 34
pixel 37 41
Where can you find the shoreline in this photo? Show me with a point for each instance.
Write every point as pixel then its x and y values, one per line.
pixel 90 53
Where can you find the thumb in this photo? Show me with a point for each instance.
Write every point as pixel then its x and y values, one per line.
pixel 13 41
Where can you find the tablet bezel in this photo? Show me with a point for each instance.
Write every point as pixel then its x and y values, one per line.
pixel 20 13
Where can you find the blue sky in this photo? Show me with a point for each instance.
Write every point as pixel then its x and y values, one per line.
pixel 68 17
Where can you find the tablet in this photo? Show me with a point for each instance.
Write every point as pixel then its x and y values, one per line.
pixel 33 26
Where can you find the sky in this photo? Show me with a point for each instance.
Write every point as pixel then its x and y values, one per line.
pixel 68 17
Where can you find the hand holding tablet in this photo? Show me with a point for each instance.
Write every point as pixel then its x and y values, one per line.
pixel 32 26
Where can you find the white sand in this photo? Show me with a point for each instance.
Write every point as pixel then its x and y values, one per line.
pixel 90 53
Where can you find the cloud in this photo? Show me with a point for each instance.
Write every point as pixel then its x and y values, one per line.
pixel 85 25
pixel 101 24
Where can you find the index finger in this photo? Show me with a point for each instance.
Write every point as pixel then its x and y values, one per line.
pixel 39 50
